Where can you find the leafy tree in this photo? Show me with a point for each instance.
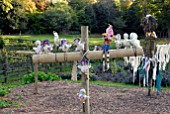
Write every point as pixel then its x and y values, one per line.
pixel 133 16
pixel 16 18
pixel 5 6
pixel 84 12
pixel 160 9
pixel 36 23
pixel 28 5
pixel 59 17
pixel 108 12
pixel 41 5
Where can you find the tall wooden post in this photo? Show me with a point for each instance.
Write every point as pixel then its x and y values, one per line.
pixel 150 44
pixel 85 78
pixel 36 77
pixel 74 71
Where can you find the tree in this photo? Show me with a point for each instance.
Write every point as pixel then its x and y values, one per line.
pixel 41 5
pixel 108 12
pixel 161 10
pixel 59 17
pixel 36 23
pixel 5 6
pixel 28 5
pixel 133 16
pixel 16 18
pixel 84 12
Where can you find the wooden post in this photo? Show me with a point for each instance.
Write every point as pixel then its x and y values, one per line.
pixel 85 78
pixel 36 77
pixel 74 71
pixel 150 79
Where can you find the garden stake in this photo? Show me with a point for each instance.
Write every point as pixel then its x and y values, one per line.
pixel 149 25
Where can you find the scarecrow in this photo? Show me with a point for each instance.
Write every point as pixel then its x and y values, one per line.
pixel 106 46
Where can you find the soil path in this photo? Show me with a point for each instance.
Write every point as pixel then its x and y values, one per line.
pixel 61 97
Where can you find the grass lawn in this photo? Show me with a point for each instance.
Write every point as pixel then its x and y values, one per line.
pixel 93 39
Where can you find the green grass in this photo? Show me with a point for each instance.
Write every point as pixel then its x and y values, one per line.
pixel 93 39
pixel 113 84
pixel 108 84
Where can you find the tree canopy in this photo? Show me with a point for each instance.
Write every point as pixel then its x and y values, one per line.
pixel 42 16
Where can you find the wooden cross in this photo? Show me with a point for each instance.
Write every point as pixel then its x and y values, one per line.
pixel 77 56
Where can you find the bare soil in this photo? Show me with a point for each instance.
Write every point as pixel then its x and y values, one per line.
pixel 60 97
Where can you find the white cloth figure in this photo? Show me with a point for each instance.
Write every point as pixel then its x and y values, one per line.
pixel 84 68
pixel 80 46
pixel 134 40
pixel 162 57
pixel 147 67
pixel 135 62
pixel 47 47
pixel 64 46
pixel 56 38
pixel 126 61
pixel 38 48
pixel 126 40
pixel 118 41
pixel 154 69
pixel 82 95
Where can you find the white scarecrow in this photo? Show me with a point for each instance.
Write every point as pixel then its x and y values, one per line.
pixel 64 46
pixel 80 46
pixel 56 38
pixel 38 48
pixel 47 47
pixel 82 95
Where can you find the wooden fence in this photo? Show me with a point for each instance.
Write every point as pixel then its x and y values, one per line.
pixel 13 66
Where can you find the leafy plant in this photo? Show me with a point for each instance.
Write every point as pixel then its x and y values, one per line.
pixel 4 90
pixel 41 77
pixel 4 103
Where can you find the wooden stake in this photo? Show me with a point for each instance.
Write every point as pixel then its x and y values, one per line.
pixel 74 71
pixel 36 77
pixel 85 78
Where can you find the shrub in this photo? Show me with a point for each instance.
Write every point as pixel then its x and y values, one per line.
pixel 41 77
pixel 4 104
pixel 4 90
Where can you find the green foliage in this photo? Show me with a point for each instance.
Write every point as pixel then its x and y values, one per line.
pixel 5 6
pixel 36 23
pixel 41 4
pixel 84 12
pixel 114 66
pixel 41 77
pixel 4 103
pixel 4 90
pixel 58 17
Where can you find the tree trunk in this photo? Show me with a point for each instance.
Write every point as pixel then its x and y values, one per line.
pixel 168 32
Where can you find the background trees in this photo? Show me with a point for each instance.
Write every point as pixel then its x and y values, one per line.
pixel 43 16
